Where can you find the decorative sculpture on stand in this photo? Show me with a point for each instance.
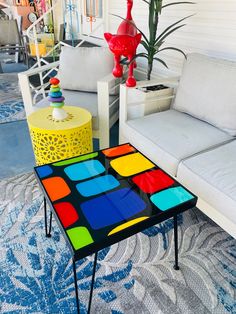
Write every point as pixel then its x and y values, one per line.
pixel 125 43
pixel 56 100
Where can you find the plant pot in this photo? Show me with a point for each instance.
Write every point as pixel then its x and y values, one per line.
pixel 146 100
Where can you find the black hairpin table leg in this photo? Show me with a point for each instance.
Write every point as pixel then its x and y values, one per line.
pixel 76 286
pixel 47 231
pixel 92 282
pixel 91 287
pixel 176 266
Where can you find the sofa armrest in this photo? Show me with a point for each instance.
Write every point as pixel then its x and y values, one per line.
pixel 110 79
pixel 125 100
pixel 109 85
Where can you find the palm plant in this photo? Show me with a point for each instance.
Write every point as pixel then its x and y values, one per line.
pixel 153 43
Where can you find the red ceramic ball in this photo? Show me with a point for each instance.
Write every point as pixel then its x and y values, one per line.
pixel 54 81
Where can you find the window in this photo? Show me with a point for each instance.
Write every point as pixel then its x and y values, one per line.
pixel 94 8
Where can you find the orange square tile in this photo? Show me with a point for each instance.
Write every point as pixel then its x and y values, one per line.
pixel 119 150
pixel 56 188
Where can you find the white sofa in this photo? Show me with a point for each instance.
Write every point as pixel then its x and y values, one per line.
pixel 195 140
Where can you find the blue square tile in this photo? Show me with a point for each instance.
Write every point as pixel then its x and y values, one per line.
pixel 112 208
pixel 97 185
pixel 44 171
pixel 84 170
pixel 170 198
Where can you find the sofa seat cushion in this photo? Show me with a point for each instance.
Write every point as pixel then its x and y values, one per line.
pixel 212 176
pixel 170 136
pixel 84 100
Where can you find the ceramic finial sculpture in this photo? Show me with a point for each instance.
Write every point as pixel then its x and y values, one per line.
pixel 56 100
pixel 125 43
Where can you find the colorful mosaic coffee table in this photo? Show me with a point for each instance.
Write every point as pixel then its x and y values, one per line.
pixel 101 198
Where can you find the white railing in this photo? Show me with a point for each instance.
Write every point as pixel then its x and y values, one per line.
pixel 32 36
pixel 32 31
pixel 40 61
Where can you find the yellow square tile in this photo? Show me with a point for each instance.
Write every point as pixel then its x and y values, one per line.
pixel 131 164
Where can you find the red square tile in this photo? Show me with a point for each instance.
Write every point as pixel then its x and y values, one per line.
pixel 67 213
pixel 153 181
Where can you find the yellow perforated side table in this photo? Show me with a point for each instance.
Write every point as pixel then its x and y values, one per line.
pixel 56 140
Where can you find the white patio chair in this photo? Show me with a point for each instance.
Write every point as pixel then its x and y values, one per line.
pixel 103 105
pixel 12 40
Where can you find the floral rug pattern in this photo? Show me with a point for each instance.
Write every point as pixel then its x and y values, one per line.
pixel 11 104
pixel 133 276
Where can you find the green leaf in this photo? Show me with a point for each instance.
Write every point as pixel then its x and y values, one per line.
pixel 126 61
pixel 173 48
pixel 159 6
pixel 159 44
pixel 167 34
pixel 161 61
pixel 146 2
pixel 141 54
pixel 145 45
pixel 179 2
pixel 171 26
pixel 151 20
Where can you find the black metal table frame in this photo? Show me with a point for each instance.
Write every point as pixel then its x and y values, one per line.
pixel 48 235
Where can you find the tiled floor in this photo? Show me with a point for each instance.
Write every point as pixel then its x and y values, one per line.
pixel 8 64
pixel 16 153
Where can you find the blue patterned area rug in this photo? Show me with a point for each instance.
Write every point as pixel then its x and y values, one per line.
pixel 11 104
pixel 134 276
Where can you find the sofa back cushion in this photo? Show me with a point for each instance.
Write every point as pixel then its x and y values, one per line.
pixel 81 68
pixel 207 91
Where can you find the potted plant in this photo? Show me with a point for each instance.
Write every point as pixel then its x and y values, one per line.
pixel 153 45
